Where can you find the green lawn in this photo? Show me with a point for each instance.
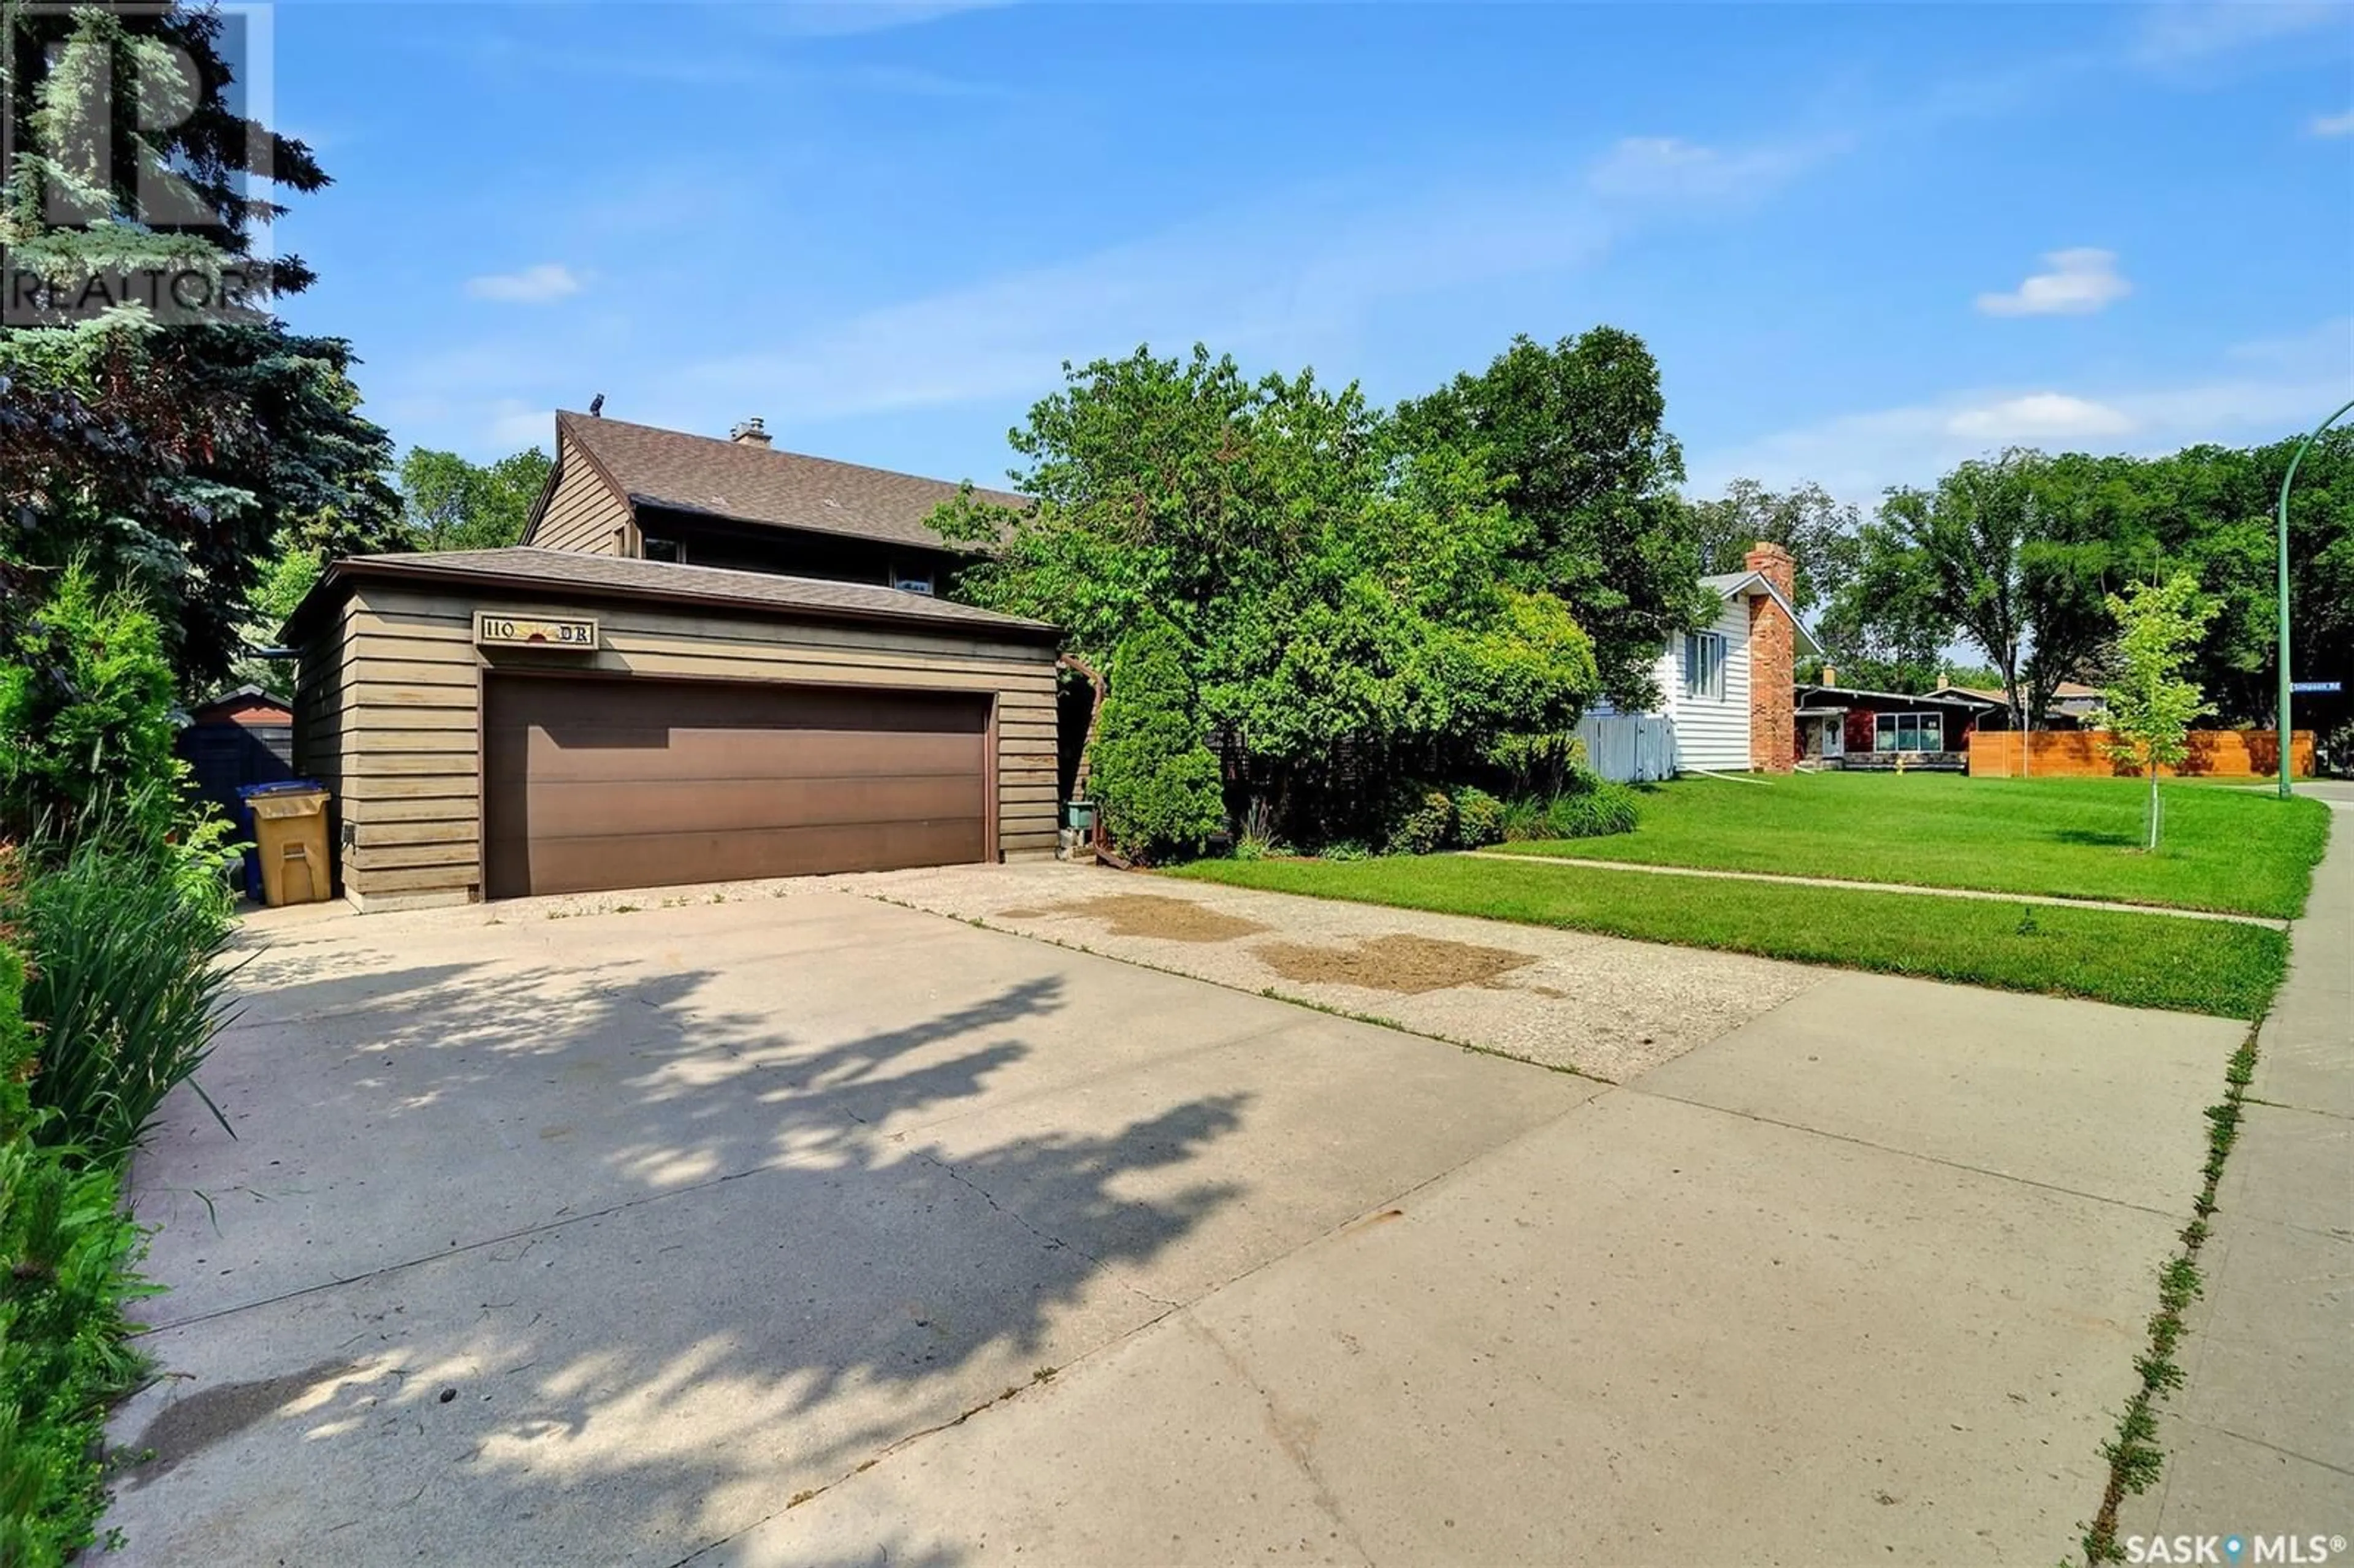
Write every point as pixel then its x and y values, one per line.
pixel 2222 849
pixel 2219 967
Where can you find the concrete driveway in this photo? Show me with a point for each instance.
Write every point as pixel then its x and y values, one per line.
pixel 814 1229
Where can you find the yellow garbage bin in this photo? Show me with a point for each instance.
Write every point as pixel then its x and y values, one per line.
pixel 290 831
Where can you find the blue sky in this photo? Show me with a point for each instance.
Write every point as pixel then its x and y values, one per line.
pixel 1864 241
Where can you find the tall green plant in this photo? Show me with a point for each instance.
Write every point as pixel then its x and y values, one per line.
pixel 128 989
pixel 66 1260
pixel 2149 706
pixel 1155 780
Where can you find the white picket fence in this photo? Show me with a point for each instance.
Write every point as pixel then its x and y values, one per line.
pixel 1634 748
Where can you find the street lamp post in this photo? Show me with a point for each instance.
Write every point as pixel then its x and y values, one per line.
pixel 2286 480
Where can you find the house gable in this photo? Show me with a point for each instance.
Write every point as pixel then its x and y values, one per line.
pixel 1742 719
pixel 582 509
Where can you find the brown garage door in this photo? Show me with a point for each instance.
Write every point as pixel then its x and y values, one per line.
pixel 595 784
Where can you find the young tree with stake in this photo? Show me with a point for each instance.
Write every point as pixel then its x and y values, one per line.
pixel 2149 706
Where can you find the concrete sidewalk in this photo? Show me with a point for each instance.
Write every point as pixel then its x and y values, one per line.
pixel 2259 1439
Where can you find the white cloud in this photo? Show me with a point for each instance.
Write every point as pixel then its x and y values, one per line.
pixel 2331 124
pixel 2040 416
pixel 542 285
pixel 2257 392
pixel 2080 282
pixel 1668 168
pixel 1292 279
pixel 2178 32
pixel 835 18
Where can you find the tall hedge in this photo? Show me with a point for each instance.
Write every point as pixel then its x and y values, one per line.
pixel 1155 782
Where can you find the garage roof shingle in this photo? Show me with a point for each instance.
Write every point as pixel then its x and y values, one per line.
pixel 749 483
pixel 528 568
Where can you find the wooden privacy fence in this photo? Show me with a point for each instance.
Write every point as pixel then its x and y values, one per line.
pixel 2077 754
pixel 1634 748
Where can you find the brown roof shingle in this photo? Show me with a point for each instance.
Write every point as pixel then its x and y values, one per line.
pixel 527 567
pixel 760 484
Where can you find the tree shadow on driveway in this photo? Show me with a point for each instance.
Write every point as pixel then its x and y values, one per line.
pixel 535 1262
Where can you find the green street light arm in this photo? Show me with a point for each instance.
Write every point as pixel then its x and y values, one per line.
pixel 2282 729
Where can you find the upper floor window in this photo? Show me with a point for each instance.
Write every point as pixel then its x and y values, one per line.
pixel 663 550
pixel 1704 665
pixel 912 579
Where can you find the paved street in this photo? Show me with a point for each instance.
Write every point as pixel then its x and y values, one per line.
pixel 817 1229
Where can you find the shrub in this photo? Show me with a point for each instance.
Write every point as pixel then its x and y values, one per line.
pixel 1602 808
pixel 127 986
pixel 1479 818
pixel 65 1261
pixel 86 718
pixel 1524 819
pixel 1420 819
pixel 1346 849
pixel 1157 783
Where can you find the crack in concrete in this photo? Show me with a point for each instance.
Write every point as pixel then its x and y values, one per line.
pixel 1284 1428
pixel 1905 1153
pixel 2302 1110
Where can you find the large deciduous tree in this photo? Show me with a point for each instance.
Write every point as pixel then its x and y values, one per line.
pixel 2003 558
pixel 450 503
pixel 1348 606
pixel 1821 533
pixel 2209 510
pixel 1571 436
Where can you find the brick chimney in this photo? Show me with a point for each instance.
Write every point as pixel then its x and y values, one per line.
pixel 749 432
pixel 1772 663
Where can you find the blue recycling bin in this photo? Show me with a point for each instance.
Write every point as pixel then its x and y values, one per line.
pixel 245 828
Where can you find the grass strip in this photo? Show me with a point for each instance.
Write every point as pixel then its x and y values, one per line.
pixel 2135 1459
pixel 2237 851
pixel 2215 967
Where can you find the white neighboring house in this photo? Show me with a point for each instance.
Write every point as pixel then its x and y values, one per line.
pixel 1725 691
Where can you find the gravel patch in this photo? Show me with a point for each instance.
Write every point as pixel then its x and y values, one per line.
pixel 1149 914
pixel 1607 1007
pixel 1407 965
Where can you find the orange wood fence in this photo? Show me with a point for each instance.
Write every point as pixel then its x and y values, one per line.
pixel 2077 754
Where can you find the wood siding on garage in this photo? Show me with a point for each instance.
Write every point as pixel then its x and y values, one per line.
pixel 410 682
pixel 320 710
pixel 592 783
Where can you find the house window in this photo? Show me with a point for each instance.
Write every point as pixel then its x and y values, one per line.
pixel 1704 665
pixel 663 550
pixel 913 580
pixel 1908 732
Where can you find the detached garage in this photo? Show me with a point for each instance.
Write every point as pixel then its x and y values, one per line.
pixel 496 724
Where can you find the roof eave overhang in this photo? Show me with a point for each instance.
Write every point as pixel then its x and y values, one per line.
pixel 1760 582
pixel 328 590
pixel 770 525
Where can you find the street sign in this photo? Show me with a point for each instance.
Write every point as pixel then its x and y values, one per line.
pixel 2317 687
